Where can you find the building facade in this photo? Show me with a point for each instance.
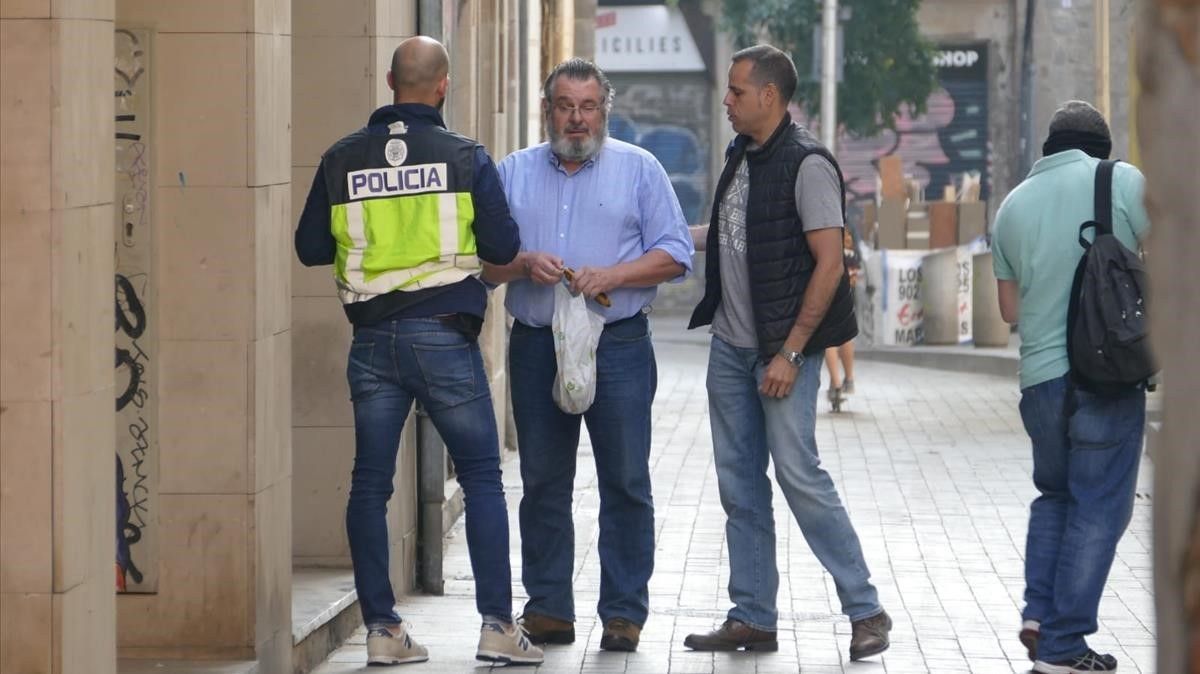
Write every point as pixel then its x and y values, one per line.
pixel 165 206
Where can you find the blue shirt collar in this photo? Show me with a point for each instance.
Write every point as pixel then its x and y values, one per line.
pixel 556 163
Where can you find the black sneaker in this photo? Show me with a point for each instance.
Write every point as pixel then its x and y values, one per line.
pixel 1090 661
pixel 1029 635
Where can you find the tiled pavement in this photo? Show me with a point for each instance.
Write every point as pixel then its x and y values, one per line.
pixel 934 468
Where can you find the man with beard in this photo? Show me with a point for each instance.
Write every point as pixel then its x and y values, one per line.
pixel 607 210
pixel 405 210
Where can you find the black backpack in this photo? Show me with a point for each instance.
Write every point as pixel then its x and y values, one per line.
pixel 1108 345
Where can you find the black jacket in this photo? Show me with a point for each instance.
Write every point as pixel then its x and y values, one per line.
pixel 777 253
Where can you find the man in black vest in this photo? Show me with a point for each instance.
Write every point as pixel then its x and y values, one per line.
pixel 777 295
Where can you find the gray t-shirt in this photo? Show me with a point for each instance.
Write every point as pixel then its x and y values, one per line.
pixel 819 202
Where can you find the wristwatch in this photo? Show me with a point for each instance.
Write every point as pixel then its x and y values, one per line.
pixel 794 357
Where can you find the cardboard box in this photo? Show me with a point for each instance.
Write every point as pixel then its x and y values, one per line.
pixel 891 224
pixel 891 176
pixel 943 224
pixel 972 220
pixel 916 227
pixel 866 227
pixel 916 192
pixel 917 240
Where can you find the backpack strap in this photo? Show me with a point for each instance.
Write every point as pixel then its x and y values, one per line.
pixel 1102 222
pixel 1103 199
pixel 1102 203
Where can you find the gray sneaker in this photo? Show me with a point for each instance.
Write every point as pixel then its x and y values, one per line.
pixel 506 643
pixel 393 646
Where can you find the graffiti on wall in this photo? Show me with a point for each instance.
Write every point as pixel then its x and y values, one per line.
pixel 136 334
pixel 938 146
pixel 670 120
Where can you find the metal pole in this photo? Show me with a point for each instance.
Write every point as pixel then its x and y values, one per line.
pixel 829 25
pixel 431 501
pixel 1027 142
pixel 1103 81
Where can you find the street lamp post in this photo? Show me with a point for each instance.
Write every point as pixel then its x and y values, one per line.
pixel 829 26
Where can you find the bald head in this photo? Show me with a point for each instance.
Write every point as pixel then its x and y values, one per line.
pixel 419 68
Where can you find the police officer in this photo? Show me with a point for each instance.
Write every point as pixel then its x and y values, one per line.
pixel 405 210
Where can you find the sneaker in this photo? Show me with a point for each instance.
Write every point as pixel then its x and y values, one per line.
pixel 620 635
pixel 731 636
pixel 393 646
pixel 848 387
pixel 869 636
pixel 506 643
pixel 1090 661
pixel 1029 635
pixel 542 629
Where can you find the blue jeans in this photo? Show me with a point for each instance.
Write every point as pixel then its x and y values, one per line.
pixel 392 364
pixel 748 428
pixel 1085 465
pixel 619 425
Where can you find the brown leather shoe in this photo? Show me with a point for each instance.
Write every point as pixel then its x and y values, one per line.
pixel 731 636
pixel 869 636
pixel 542 629
pixel 620 635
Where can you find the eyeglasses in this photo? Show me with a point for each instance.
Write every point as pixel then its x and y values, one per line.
pixel 585 110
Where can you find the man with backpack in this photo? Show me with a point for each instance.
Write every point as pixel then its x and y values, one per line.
pixel 1083 388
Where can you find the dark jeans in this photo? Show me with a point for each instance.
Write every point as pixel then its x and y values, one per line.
pixel 619 425
pixel 391 365
pixel 1085 465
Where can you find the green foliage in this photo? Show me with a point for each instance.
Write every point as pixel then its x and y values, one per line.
pixel 887 62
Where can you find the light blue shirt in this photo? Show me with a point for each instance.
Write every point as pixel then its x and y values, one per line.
pixel 618 206
pixel 1035 242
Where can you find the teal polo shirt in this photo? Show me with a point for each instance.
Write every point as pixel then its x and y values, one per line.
pixel 1035 242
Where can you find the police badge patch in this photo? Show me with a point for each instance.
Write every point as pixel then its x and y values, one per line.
pixel 396 151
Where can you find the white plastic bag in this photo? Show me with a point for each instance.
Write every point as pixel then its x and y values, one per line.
pixel 576 335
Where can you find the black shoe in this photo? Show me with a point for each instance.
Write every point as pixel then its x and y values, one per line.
pixel 1090 661
pixel 731 636
pixel 1029 635
pixel 870 636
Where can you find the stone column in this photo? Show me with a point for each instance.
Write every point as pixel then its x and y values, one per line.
pixel 57 520
pixel 1065 49
pixel 585 29
pixel 221 184
pixel 1169 132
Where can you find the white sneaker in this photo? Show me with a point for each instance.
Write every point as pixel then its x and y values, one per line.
pixel 506 643
pixel 393 647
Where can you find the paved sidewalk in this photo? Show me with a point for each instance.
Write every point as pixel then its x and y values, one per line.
pixel 934 469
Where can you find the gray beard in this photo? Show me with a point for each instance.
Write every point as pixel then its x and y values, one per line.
pixel 568 149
